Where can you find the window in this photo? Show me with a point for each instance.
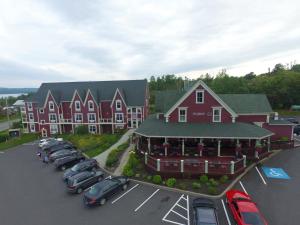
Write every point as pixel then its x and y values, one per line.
pixel 119 117
pixel 52 118
pixel 92 117
pixel 78 117
pixel 118 105
pixel 129 110
pixel 139 110
pixel 51 106
pixel 133 110
pixel 53 129
pixel 77 105
pixel 200 96
pixel 29 105
pixel 182 114
pixel 32 128
pixel 42 121
pixel 23 109
pixel 92 129
pixel 91 105
pixel 41 111
pixel 30 115
pixel 216 114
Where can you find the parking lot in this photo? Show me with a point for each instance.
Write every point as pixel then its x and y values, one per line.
pixel 33 193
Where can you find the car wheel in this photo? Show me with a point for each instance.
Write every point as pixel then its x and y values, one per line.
pixel 63 168
pixel 102 202
pixel 124 187
pixel 79 190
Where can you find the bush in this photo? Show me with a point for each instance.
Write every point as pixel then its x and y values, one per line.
pixel 149 178
pixel 112 158
pixel 212 190
pixel 213 182
pixel 127 171
pixel 82 129
pixel 203 179
pixel 284 138
pixel 156 179
pixel 223 179
pixel 171 182
pixel 196 185
pixel 4 137
pixel 16 125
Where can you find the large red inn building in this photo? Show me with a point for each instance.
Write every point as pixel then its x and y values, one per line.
pixel 101 105
pixel 196 131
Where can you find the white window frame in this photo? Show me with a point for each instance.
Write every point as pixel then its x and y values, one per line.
pixel 91 103
pixel 32 125
pixel 53 131
pixel 199 91
pixel 76 120
pixel 92 129
pixel 88 117
pixel 41 111
pixel 220 115
pixel 29 106
pixel 77 103
pixel 119 121
pixel 52 114
pixel 118 108
pixel 179 117
pixel 30 119
pixel 51 106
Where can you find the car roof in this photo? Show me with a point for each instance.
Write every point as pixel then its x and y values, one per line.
pixel 206 215
pixel 81 174
pixel 246 206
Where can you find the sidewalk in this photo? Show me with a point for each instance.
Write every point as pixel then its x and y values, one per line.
pixel 124 159
pixel 103 156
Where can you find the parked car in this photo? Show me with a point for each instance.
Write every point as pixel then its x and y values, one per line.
pixel 205 212
pixel 68 161
pixel 62 153
pixel 291 119
pixel 51 143
pixel 59 147
pixel 243 209
pixel 101 191
pixel 44 141
pixel 83 180
pixel 87 165
pixel 297 130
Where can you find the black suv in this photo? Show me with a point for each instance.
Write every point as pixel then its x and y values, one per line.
pixel 68 161
pixel 87 165
pixel 61 154
pixel 83 180
pixel 58 147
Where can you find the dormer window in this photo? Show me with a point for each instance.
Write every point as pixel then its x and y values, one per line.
pixel 118 105
pixel 51 106
pixel 182 112
pixel 217 114
pixel 41 111
pixel 77 106
pixel 199 96
pixel 91 105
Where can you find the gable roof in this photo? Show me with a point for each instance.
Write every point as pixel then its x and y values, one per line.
pixel 164 100
pixel 134 90
pixel 247 103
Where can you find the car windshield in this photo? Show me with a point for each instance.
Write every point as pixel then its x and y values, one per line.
pixel 206 216
pixel 252 218
pixel 94 190
pixel 75 168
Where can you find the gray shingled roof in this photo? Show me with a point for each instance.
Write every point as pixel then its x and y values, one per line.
pixel 153 127
pixel 133 91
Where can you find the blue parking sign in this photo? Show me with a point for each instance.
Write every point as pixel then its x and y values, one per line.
pixel 276 173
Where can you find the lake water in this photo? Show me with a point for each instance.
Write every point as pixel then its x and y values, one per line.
pixel 12 95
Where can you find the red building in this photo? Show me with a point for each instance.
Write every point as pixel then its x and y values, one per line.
pixel 101 105
pixel 195 131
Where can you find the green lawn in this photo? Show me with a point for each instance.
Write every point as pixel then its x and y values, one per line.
pixel 17 141
pixel 92 145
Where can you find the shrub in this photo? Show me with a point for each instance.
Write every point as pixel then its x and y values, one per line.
pixel 16 125
pixel 171 182
pixel 112 158
pixel 149 178
pixel 156 179
pixel 4 137
pixel 213 182
pixel 284 138
pixel 127 171
pixel 212 190
pixel 204 179
pixel 196 185
pixel 223 179
pixel 82 129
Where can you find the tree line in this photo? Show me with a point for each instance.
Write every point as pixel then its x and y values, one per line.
pixel 281 85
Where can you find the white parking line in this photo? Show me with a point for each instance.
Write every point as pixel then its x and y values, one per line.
pixel 146 200
pixel 261 176
pixel 1 152
pixel 227 217
pixel 125 193
pixel 243 187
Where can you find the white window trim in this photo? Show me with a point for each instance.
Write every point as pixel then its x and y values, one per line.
pixel 220 119
pixel 90 102
pixel 29 106
pixel 199 91
pixel 185 109
pixel 31 120
pixel 91 131
pixel 77 109
pixel 51 103
pixel 78 121
pixel 41 111
pixel 91 121
pixel 32 125
pixel 118 121
pixel 50 117
pixel 55 130
pixel 118 101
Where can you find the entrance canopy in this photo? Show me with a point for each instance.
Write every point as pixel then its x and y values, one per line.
pixel 153 127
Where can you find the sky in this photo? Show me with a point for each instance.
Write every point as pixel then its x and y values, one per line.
pixel 76 40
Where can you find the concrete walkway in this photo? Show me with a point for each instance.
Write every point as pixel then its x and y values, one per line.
pixel 123 161
pixel 103 156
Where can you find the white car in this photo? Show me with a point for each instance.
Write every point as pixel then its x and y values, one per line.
pixel 45 141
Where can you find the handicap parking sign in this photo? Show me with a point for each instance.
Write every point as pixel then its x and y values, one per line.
pixel 276 173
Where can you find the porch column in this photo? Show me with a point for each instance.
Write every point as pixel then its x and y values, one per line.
pixel 182 150
pixel 149 145
pixel 232 167
pixel 219 147
pixel 269 144
pixel 158 164
pixel 166 146
pixel 200 147
pixel 138 142
pixel 146 158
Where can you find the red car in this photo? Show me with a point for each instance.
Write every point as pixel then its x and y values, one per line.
pixel 244 210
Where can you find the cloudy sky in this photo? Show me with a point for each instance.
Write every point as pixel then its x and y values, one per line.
pixel 63 40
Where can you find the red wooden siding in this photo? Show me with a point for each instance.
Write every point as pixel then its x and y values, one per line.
pixel 251 118
pixel 105 109
pixel 279 131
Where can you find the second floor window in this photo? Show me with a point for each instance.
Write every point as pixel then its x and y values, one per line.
pixel 118 105
pixel 182 114
pixel 92 117
pixel 52 118
pixel 51 106
pixel 119 117
pixel 77 105
pixel 78 117
pixel 217 115
pixel 29 106
pixel 199 96
pixel 30 115
pixel 91 105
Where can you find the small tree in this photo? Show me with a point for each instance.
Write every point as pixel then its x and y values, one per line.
pixel 204 179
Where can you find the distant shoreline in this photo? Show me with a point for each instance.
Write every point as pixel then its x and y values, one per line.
pixel 12 95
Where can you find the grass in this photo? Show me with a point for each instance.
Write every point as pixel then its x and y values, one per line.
pixel 286 112
pixel 92 144
pixel 17 141
pixel 3 118
pixel 115 155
